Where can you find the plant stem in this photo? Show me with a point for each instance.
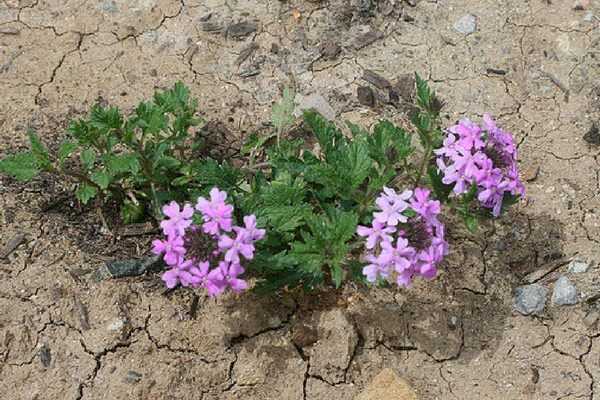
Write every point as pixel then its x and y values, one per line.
pixel 424 161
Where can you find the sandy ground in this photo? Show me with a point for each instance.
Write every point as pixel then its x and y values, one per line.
pixel 534 64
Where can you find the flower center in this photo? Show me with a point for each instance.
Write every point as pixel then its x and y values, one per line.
pixel 497 157
pixel 199 246
pixel 417 234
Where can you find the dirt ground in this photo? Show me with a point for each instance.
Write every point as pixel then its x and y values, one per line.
pixel 535 65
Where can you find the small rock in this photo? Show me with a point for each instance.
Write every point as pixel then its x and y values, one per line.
pixel 530 299
pixel 330 50
pixel 366 39
pixel 467 24
pixel 593 135
pixel 134 267
pixel 212 27
pixel 12 245
pixel 241 29
pixel 578 267
pixel 45 356
pixel 109 6
pixel 133 377
pixel 365 95
pixel 589 16
pixel 387 386
pixel 116 325
pixel 565 293
pixel 376 80
pixel 315 102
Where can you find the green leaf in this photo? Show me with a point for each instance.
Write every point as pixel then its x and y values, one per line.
pixel 101 179
pixel 423 92
pixel 21 166
pixel 131 212
pixel 86 192
pixel 39 150
pixel 328 135
pixel 209 173
pixel 337 274
pixel 389 143
pixel 356 164
pixel 255 142
pixel 122 163
pixel 105 119
pixel 309 256
pixel 282 113
pixel 470 195
pixel 441 190
pixel 470 222
pixel 65 150
pixel 88 158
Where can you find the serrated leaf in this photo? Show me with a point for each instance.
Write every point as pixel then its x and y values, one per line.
pixel 21 166
pixel 88 158
pixel 209 173
pixel 101 179
pixel 337 274
pixel 85 193
pixel 39 150
pixel 356 164
pixel 105 119
pixel 423 92
pixel 282 113
pixel 328 135
pixel 255 142
pixel 122 163
pixel 65 150
pixel 441 190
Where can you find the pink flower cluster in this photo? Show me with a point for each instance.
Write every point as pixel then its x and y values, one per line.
pixel 485 156
pixel 406 238
pixel 208 255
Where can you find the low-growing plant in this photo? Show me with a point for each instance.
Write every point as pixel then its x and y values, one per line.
pixel 141 161
pixel 319 204
pixel 319 196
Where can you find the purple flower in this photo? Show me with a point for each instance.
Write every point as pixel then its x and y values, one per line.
pixel 250 232
pixel 178 220
pixel 429 209
pixel 216 213
pixel 178 274
pixel 172 248
pixel 378 232
pixel 413 249
pixel 226 275
pixel 375 269
pixel 391 205
pixel 234 247
pixel 399 256
pixel 482 156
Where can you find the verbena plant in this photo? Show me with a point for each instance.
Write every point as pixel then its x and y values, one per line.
pixel 320 205
pixel 140 161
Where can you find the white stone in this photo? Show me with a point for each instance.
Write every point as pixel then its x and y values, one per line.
pixel 467 24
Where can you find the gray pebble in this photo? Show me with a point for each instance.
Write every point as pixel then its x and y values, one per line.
pixel 578 267
pixel 133 377
pixel 467 24
pixel 565 293
pixel 530 299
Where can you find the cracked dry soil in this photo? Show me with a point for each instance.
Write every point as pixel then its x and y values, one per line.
pixel 533 64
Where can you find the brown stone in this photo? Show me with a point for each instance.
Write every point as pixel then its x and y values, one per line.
pixel 387 386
